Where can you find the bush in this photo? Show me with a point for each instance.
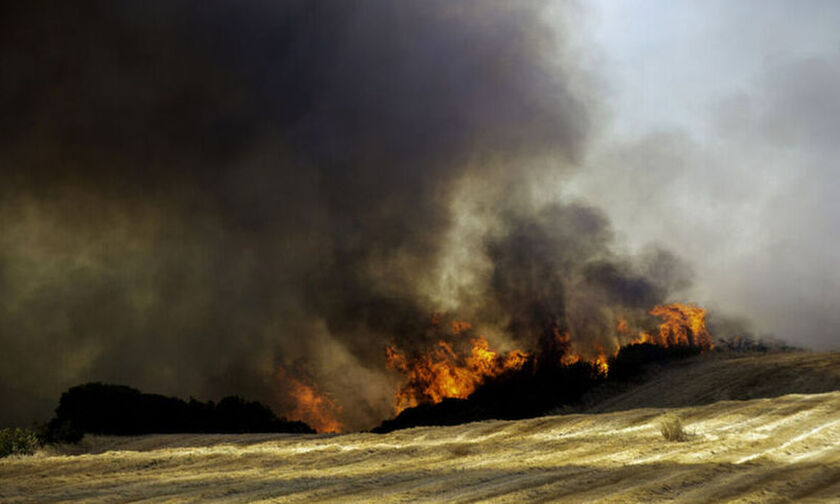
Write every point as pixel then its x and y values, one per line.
pixel 672 429
pixel 97 408
pixel 61 430
pixel 18 442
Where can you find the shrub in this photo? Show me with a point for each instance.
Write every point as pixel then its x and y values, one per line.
pixel 18 442
pixel 672 429
pixel 60 430
pixel 97 408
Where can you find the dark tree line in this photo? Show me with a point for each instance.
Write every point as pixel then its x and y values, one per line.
pixel 97 408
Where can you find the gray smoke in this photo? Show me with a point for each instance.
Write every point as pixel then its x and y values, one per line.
pixel 724 151
pixel 195 193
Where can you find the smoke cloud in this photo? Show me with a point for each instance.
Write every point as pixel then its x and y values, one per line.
pixel 197 193
pixel 723 150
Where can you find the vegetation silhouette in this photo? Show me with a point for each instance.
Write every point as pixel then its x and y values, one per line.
pixel 98 408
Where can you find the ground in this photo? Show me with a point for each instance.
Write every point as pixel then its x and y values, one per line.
pixel 772 449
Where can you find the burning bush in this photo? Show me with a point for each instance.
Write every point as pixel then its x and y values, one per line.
pixel 443 373
pixel 445 387
pixel 310 404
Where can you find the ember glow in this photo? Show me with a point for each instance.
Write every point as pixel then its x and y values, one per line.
pixel 311 405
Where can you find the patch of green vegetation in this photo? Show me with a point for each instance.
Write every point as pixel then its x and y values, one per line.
pixel 18 441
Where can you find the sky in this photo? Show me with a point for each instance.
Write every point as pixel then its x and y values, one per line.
pixel 720 144
pixel 207 198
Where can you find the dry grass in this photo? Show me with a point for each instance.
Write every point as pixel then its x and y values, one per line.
pixel 671 428
pixel 460 450
pixel 761 450
pixel 781 449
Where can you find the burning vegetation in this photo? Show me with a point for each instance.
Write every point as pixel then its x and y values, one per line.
pixel 311 405
pixel 442 372
pixel 458 368
pixel 368 182
pixel 458 364
pixel 359 184
pixel 682 325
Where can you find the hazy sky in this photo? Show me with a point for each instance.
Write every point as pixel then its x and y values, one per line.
pixel 722 121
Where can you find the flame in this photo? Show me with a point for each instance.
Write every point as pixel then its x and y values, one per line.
pixel 643 337
pixel 514 359
pixel 683 324
pixel 601 360
pixel 311 406
pixel 460 326
pixel 569 359
pixel 442 373
pixel 622 326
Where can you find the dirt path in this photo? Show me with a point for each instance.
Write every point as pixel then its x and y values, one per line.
pixel 784 449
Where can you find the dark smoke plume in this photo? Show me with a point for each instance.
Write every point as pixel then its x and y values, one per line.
pixel 554 271
pixel 195 193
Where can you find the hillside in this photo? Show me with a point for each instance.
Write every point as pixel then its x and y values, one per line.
pixel 756 450
pixel 723 376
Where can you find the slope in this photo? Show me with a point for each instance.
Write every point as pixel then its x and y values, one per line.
pixel 757 450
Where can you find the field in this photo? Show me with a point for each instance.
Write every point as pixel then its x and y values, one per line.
pixel 771 449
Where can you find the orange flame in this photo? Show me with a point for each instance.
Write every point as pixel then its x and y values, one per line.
pixel 643 337
pixel 441 373
pixel 460 326
pixel 311 406
pixel 622 326
pixel 601 360
pixel 569 359
pixel 683 324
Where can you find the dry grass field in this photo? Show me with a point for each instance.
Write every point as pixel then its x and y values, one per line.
pixel 772 449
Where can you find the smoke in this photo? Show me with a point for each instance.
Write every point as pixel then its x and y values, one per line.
pixel 555 271
pixel 723 151
pixel 195 194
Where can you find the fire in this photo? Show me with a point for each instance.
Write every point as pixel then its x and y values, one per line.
pixel 601 361
pixel 570 358
pixel 459 326
pixel 514 359
pixel 683 324
pixel 311 406
pixel 622 326
pixel 643 337
pixel 442 373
